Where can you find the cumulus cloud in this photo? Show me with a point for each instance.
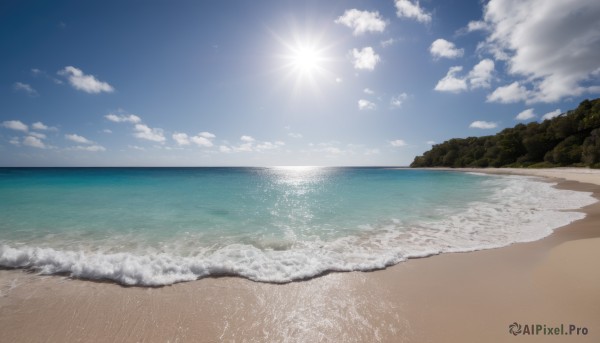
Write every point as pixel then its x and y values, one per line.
pixel 452 82
pixel 476 25
pixel 525 115
pixel 552 114
pixel 15 125
pixel 388 42
pixel 479 124
pixel 514 92
pixel 38 135
pixel 83 82
pixel 430 142
pixel 91 148
pixel 203 139
pixel 78 139
pixel 479 77
pixel 369 91
pixel 34 142
pixel 224 148
pixel 142 131
pixel 443 48
pixel 181 138
pixel 362 21
pixel 38 125
pixel 247 139
pixel 412 10
pixel 366 105
pixel 398 143
pixel 366 58
pixel 295 135
pixel 481 74
pixel 398 100
pixel 129 118
pixel 23 87
pixel 553 47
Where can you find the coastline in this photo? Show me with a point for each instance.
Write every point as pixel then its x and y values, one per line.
pixel 454 297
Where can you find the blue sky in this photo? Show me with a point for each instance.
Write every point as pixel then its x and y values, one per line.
pixel 217 83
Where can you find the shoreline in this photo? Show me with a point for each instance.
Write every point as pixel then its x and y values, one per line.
pixel 452 297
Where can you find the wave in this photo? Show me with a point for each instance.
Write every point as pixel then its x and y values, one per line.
pixel 520 210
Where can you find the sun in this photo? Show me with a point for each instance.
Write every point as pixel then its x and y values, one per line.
pixel 305 59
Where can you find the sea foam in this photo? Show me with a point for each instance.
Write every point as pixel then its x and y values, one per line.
pixel 521 209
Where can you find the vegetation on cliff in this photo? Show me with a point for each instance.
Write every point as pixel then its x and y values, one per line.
pixel 571 139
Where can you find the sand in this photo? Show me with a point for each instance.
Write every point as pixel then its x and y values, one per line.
pixel 465 297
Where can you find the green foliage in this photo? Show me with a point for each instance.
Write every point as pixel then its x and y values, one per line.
pixel 573 138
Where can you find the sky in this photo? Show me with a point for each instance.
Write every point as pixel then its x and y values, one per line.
pixel 269 83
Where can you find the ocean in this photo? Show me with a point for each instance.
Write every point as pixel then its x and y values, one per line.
pixel 159 226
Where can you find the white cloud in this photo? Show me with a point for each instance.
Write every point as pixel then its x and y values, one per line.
pixel 413 10
pixel 38 135
pixel 91 148
pixel 151 134
pixel 478 124
pixel 181 138
pixel 34 142
pixel 397 101
pixel 38 125
pixel 514 92
pixel 338 80
pixel 247 139
pixel 362 21
pixel 15 141
pixel 207 135
pixel 295 135
pixel 479 77
pixel 443 48
pixel 19 86
pixel 224 148
pixel 83 82
pixel 15 125
pixel 107 131
pixel 369 91
pixel 372 152
pixel 430 142
pixel 552 114
pixel 476 25
pixel 525 115
pixel 388 42
pixel 366 58
pixel 553 46
pixel 78 139
pixel 481 74
pixel 366 105
pixel 201 140
pixel 130 118
pixel 452 83
pixel 398 143
pixel 268 145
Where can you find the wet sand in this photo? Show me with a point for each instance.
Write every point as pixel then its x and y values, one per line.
pixel 462 297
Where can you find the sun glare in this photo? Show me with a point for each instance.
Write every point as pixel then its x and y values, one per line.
pixel 305 59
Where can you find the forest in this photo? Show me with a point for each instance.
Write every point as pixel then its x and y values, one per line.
pixel 570 139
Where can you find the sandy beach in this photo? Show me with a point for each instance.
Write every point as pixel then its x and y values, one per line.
pixel 460 297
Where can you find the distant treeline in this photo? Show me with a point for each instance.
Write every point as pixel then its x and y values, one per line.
pixel 571 139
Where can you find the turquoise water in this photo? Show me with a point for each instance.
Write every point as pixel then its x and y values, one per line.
pixel 153 226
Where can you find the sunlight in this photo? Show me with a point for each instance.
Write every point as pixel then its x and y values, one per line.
pixel 305 59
